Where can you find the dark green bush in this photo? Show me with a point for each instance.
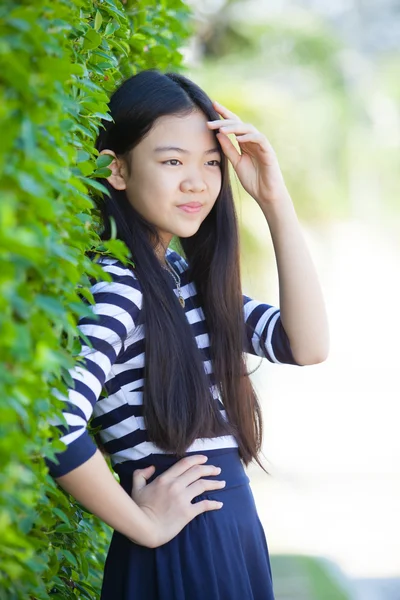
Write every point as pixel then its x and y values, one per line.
pixel 59 62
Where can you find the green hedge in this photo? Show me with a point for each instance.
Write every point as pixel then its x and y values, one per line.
pixel 59 62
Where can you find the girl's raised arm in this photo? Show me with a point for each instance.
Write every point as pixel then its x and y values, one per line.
pixel 301 301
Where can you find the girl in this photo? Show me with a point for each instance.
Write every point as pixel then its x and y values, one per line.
pixel 165 378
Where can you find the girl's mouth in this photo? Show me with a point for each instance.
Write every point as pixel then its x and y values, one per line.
pixel 191 208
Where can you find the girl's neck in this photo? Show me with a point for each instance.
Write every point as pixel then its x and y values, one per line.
pixel 160 253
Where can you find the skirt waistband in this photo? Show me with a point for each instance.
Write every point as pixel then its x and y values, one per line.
pixel 228 459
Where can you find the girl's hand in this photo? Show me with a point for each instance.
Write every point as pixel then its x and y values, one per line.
pixel 257 165
pixel 166 501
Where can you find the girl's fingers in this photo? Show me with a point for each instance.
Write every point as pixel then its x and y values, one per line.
pixel 228 148
pixel 204 506
pixel 184 464
pixel 140 477
pixel 205 485
pixel 238 129
pixel 195 473
pixel 252 137
pixel 259 139
pixel 228 114
pixel 223 123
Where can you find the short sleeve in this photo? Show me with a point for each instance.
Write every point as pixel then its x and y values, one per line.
pixel 117 306
pixel 265 335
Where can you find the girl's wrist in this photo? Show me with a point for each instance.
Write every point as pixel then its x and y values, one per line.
pixel 145 534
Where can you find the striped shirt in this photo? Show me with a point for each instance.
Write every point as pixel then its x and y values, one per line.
pixel 109 388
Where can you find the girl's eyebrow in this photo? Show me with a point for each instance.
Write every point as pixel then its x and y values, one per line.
pixel 182 150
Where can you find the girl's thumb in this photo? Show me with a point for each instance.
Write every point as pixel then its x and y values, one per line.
pixel 140 477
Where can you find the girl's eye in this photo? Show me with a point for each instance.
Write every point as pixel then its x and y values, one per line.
pixel 175 160
pixel 171 160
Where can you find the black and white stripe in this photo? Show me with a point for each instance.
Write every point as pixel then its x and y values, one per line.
pixel 116 362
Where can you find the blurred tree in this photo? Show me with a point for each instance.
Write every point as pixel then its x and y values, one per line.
pixel 321 91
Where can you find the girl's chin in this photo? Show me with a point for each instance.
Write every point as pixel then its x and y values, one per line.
pixel 186 229
pixel 186 232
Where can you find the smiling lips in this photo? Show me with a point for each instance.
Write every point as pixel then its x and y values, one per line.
pixel 191 207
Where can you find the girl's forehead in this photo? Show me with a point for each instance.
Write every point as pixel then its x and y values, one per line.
pixel 187 134
pixel 184 126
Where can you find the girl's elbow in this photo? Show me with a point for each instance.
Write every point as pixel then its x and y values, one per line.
pixel 312 359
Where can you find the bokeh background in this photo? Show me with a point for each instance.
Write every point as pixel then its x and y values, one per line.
pixel 322 80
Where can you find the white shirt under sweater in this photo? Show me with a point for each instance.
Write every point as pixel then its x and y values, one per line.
pixel 116 362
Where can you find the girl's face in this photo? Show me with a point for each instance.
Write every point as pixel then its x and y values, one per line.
pixel 177 162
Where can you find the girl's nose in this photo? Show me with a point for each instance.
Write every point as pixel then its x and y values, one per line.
pixel 194 184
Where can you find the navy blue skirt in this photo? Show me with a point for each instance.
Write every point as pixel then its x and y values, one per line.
pixel 219 555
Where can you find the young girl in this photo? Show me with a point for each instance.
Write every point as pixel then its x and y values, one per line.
pixel 165 378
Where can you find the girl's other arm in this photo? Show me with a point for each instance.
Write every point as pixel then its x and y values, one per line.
pixel 302 307
pixel 163 507
pixel 95 487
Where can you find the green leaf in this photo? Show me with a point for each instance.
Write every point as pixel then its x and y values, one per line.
pixel 26 524
pixel 19 24
pixel 98 21
pixel 68 556
pixel 92 39
pixel 85 168
pixel 50 305
pixel 84 566
pixel 82 156
pixel 64 528
pixel 84 593
pixel 95 185
pixel 104 160
pixel 29 184
pixel 110 28
pixel 61 514
pixel 102 173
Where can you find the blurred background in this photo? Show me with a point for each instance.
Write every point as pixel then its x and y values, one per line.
pixel 322 80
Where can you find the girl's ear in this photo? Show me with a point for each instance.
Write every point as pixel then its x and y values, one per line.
pixel 118 170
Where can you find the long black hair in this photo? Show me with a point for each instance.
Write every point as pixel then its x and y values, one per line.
pixel 177 401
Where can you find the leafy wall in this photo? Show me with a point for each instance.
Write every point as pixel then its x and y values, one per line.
pixel 59 62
